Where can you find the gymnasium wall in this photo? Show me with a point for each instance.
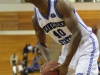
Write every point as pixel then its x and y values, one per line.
pixel 22 20
pixel 18 16
pixel 8 1
pixel 13 7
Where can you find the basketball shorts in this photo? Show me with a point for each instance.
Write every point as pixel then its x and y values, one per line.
pixel 84 61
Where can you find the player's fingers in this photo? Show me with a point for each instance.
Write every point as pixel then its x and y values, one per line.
pixel 42 67
pixel 55 68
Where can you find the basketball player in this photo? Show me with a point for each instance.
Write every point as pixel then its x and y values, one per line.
pixel 80 49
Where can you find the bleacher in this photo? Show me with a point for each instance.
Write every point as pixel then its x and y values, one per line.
pixel 10 44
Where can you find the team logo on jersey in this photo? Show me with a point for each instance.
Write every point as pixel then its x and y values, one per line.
pixel 53 15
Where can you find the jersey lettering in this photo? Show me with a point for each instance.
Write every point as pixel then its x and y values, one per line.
pixel 59 33
pixel 56 34
pixel 53 25
pixel 66 40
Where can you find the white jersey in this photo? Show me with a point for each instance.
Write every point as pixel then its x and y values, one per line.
pixel 20 67
pixel 14 69
pixel 55 26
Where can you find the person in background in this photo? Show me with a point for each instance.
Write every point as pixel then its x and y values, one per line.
pixel 25 71
pixel 14 69
pixel 95 30
pixel 30 69
pixel 30 47
pixel 36 48
pixel 14 59
pixel 25 59
pixel 37 62
pixel 20 68
pixel 25 50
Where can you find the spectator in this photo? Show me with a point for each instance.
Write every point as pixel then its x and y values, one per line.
pixel 25 71
pixel 20 67
pixel 37 62
pixel 14 69
pixel 41 62
pixel 36 67
pixel 30 47
pixel 30 69
pixel 13 59
pixel 25 50
pixel 36 59
pixel 36 48
pixel 94 30
pixel 25 59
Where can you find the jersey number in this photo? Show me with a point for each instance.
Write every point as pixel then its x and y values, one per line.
pixel 59 33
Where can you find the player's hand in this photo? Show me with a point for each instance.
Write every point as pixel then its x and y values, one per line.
pixel 44 65
pixel 62 68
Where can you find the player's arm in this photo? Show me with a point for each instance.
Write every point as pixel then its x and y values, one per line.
pixel 40 34
pixel 65 9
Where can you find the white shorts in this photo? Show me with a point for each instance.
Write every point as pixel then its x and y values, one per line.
pixel 84 62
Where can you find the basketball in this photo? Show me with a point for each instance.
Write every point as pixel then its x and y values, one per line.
pixel 48 66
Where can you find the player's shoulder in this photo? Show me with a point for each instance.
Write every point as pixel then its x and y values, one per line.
pixel 61 5
pixel 63 1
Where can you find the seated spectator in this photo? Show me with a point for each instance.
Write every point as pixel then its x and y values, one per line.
pixel 36 48
pixel 36 67
pixel 25 71
pixel 25 59
pixel 38 61
pixel 25 50
pixel 41 62
pixel 30 48
pixel 30 69
pixel 14 69
pixel 20 68
pixel 13 59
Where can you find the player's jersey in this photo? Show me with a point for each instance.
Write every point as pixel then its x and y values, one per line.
pixel 55 26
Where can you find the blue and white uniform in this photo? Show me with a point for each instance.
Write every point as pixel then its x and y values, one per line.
pixel 88 50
